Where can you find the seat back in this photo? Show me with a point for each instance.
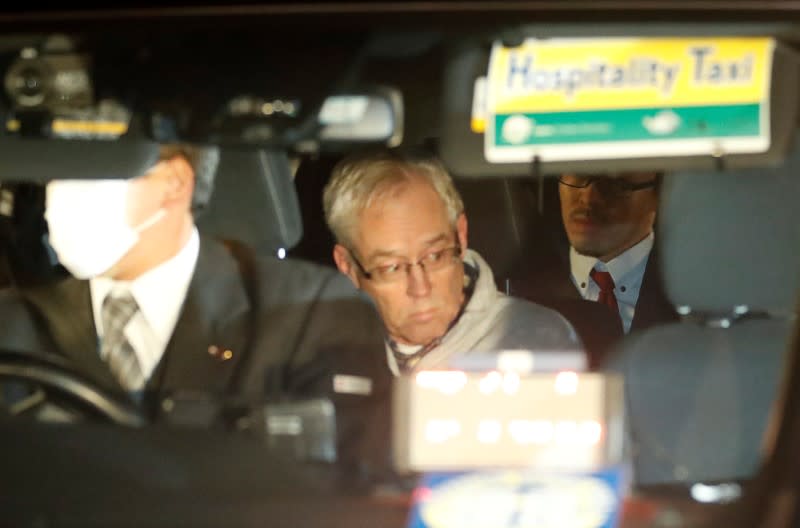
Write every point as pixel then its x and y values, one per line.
pixel 507 228
pixel 254 201
pixel 700 392
pixel 499 213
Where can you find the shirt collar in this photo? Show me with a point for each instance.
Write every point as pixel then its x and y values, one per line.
pixel 159 292
pixel 619 267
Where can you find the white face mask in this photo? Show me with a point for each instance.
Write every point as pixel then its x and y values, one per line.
pixel 87 223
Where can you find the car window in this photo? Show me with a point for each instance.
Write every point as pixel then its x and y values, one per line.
pixel 697 321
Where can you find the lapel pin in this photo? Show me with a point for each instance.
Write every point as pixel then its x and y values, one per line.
pixel 220 354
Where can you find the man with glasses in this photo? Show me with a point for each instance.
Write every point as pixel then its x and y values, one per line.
pixel 401 236
pixel 608 221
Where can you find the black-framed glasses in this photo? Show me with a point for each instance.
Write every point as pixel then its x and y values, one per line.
pixel 606 185
pixel 398 271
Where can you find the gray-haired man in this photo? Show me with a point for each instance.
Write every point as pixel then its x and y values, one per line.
pixel 402 238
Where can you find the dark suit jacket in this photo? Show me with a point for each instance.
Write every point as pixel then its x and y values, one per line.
pixel 297 327
pixel 598 327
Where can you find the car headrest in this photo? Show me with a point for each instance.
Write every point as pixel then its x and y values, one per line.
pixel 254 201
pixel 501 215
pixel 732 238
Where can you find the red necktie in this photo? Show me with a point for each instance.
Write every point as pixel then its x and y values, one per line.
pixel 606 284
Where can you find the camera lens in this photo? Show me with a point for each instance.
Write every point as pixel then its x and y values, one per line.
pixel 27 82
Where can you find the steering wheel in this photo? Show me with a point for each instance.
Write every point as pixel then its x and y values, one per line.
pixel 42 386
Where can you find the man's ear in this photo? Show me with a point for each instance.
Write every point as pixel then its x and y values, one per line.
pixel 341 256
pixel 180 179
pixel 461 232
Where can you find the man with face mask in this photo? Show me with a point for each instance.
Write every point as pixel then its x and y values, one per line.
pixel 608 220
pixel 155 311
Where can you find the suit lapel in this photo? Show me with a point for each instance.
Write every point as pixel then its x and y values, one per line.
pixel 652 306
pixel 563 287
pixel 66 311
pixel 210 336
pixel 551 281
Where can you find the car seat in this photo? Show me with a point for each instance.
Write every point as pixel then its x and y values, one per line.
pixel 254 202
pixel 700 392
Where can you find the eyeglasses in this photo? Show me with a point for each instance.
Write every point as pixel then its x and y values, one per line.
pixel 606 185
pixel 397 271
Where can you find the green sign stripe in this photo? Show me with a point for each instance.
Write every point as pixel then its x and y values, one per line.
pixel 628 125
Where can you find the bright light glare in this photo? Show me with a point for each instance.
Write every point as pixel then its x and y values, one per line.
pixel 531 431
pixel 566 432
pixel 566 383
pixel 541 432
pixel 440 431
pixel 590 433
pixel 446 381
pixel 343 109
pixel 281 253
pixel 489 431
pixel 519 361
pixel 490 383
pixel 716 493
pixel 510 383
pixel 586 433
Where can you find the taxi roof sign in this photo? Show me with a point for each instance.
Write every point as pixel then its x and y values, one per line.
pixel 616 98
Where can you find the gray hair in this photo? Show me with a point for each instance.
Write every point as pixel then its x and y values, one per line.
pixel 204 160
pixel 358 180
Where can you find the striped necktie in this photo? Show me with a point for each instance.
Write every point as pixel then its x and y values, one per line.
pixel 115 350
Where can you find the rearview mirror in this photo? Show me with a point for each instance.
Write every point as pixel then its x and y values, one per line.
pixel 349 119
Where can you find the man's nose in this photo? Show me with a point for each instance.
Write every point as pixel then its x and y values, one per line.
pixel 418 283
pixel 590 194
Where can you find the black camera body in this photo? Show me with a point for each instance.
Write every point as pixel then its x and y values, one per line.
pixel 58 81
pixel 50 94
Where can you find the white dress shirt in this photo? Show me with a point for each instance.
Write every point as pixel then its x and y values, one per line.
pixel 160 293
pixel 627 270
